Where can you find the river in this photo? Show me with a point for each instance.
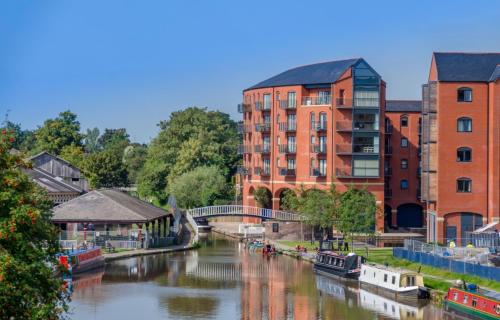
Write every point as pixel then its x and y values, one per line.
pixel 223 280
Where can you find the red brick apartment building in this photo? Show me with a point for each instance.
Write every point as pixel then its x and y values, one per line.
pixel 314 125
pixel 460 144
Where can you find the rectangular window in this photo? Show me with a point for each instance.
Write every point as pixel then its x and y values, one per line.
pixel 322 144
pixel 324 97
pixel 365 167
pixel 276 228
pixel 393 280
pixel 292 102
pixel 404 143
pixel 290 163
pixel 267 102
pixel 385 277
pixel 404 164
pixel 267 166
pixel 368 98
pixel 322 167
pixel 464 125
pixel 291 143
pixel 464 185
pixel 404 184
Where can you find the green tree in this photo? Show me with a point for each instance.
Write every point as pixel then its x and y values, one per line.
pixel 115 140
pixel 91 140
pixel 134 157
pixel 74 155
pixel 105 169
pixel 57 133
pixel 29 288
pixel 200 187
pixel 263 197
pixel 190 138
pixel 357 212
pixel 24 139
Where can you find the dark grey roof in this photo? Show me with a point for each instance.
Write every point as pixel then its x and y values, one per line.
pixel 107 205
pixel 463 67
pixel 51 183
pixel 496 74
pixel 319 73
pixel 403 106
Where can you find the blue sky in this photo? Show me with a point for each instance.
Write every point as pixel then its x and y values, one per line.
pixel 119 63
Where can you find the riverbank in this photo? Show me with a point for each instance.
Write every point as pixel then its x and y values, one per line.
pixel 144 252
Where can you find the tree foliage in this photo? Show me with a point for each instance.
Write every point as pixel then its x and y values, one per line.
pixel 191 138
pixel 24 139
pixel 357 212
pixel 74 155
pixel 105 169
pixel 29 288
pixel 91 140
pixel 200 187
pixel 115 140
pixel 263 197
pixel 134 157
pixel 57 133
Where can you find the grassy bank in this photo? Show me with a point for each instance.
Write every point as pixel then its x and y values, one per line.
pixel 434 278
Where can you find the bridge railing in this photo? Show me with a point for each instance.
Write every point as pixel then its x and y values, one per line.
pixel 235 210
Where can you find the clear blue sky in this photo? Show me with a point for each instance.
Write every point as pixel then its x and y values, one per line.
pixel 130 64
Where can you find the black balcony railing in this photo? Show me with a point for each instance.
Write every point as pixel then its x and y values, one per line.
pixel 244 107
pixel 242 170
pixel 243 149
pixel 259 148
pixel 263 127
pixel 261 106
pixel 243 128
pixel 319 148
pixel 287 172
pixel 287 148
pixel 287 104
pixel 365 148
pixel 262 171
pixel 290 126
pixel 317 172
pixel 316 101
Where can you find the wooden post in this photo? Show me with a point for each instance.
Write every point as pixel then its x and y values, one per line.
pixel 165 227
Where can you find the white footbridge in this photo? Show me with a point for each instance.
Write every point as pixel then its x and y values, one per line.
pixel 246 211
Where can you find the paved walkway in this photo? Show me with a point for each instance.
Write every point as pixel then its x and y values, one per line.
pixel 144 252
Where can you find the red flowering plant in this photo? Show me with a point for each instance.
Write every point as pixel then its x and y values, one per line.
pixel 29 286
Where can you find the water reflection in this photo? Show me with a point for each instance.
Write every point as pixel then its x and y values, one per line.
pixel 225 281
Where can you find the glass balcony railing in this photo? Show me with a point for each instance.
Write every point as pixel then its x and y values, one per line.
pixel 244 107
pixel 287 104
pixel 287 148
pixel 316 101
pixel 357 102
pixel 319 148
pixel 262 171
pixel 364 148
pixel 289 126
pixel 317 172
pixel 259 148
pixel 286 172
pixel 263 127
pixel 261 106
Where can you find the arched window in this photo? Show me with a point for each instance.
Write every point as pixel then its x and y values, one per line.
pixel 404 184
pixel 404 121
pixel 464 124
pixel 464 95
pixel 464 154
pixel 464 185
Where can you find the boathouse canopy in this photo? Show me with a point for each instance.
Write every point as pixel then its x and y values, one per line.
pixel 108 206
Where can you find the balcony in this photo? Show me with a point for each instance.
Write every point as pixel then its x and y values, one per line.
pixel 290 126
pixel 243 128
pixel 262 148
pixel 348 149
pixel 261 106
pixel 287 172
pixel 320 126
pixel 387 171
pixel 319 148
pixel 244 107
pixel 362 103
pixel 387 193
pixel 317 101
pixel 343 126
pixel 317 172
pixel 287 104
pixel 287 148
pixel 263 172
pixel 388 150
pixel 263 127
pixel 244 149
pixel 358 173
pixel 244 171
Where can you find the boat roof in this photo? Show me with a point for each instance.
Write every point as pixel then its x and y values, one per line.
pixel 390 269
pixel 335 254
pixel 482 292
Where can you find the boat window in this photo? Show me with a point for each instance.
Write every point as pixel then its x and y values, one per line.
pixel 455 296
pixel 385 277
pixel 410 281
pixel 374 274
pixel 321 258
pixel 331 260
pixel 341 263
pixel 364 272
pixel 393 279
pixel 474 302
pixel 466 297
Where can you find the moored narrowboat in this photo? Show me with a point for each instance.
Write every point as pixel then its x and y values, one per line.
pixel 472 302
pixel 77 261
pixel 393 283
pixel 329 263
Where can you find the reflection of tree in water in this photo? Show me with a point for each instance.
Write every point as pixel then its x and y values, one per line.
pixel 193 306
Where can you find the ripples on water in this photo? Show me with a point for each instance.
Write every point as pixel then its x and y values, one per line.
pixel 223 280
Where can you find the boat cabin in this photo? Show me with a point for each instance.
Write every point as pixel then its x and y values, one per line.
pixel 391 279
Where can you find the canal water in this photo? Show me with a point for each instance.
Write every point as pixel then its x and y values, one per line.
pixel 223 280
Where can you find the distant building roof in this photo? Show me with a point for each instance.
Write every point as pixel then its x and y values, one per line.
pixel 403 106
pixel 51 183
pixel 107 205
pixel 318 73
pixel 465 67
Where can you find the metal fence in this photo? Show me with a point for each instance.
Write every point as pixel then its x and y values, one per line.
pixel 471 261
pixel 126 239
pixel 235 210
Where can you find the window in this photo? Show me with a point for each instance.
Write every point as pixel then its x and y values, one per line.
pixel 290 164
pixel 267 102
pixel 313 120
pixel 466 298
pixel 464 124
pixel 385 277
pixel 404 143
pixel 404 121
pixel 393 279
pixel 464 185
pixel 363 167
pixel 410 281
pixel 292 103
pixel 341 97
pixel 464 95
pixel 404 164
pixel 474 302
pixel 464 154
pixel 404 184
pixel 322 167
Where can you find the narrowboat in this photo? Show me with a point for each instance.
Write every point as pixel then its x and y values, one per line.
pixel 393 283
pixel 332 264
pixel 472 302
pixel 77 261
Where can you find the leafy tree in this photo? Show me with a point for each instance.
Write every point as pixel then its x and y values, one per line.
pixel 190 138
pixel 200 187
pixel 74 155
pixel 91 140
pixel 134 158
pixel 263 197
pixel 105 169
pixel 24 139
pixel 57 133
pixel 357 212
pixel 29 288
pixel 115 140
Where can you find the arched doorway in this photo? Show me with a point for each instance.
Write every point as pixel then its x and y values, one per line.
pixel 457 225
pixel 281 195
pixel 410 215
pixel 387 217
pixel 263 197
pixel 250 201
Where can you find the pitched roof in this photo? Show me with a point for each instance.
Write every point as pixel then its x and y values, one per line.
pixel 318 73
pixel 403 106
pixel 107 205
pixel 51 183
pixel 496 74
pixel 464 67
